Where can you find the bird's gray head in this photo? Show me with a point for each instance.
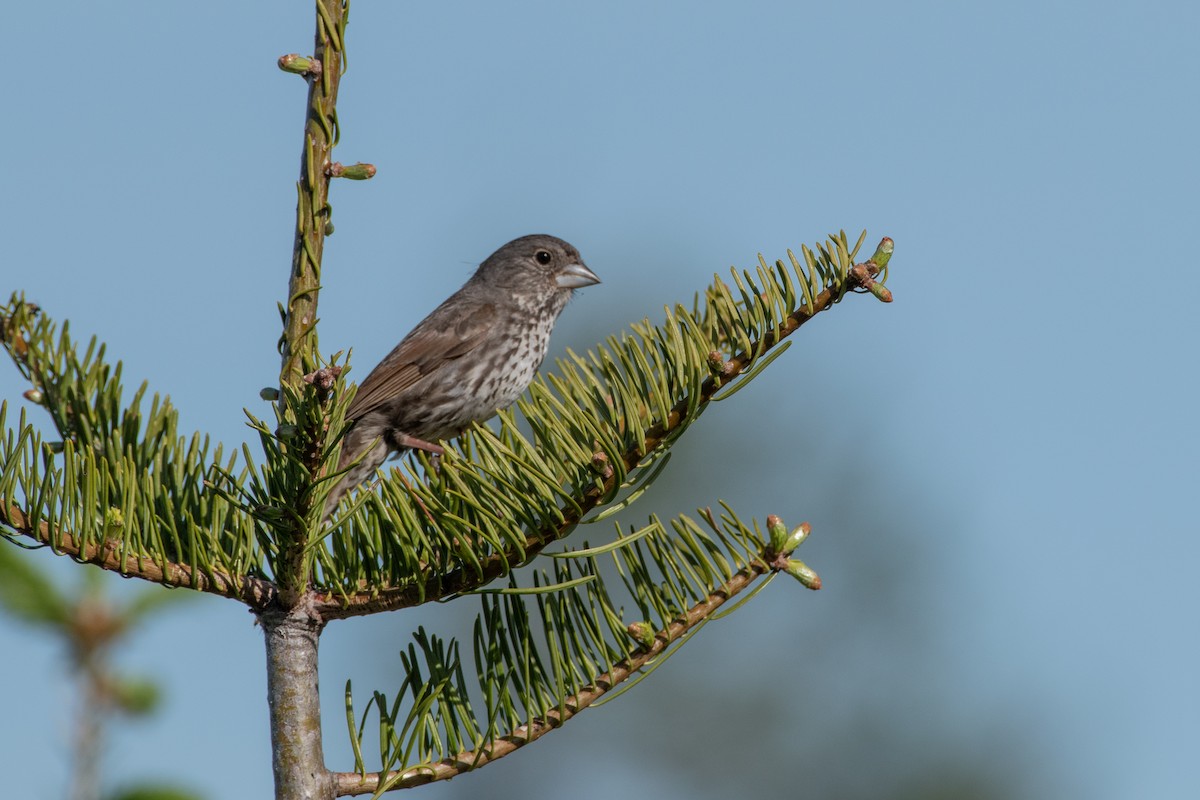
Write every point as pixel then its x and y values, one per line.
pixel 539 265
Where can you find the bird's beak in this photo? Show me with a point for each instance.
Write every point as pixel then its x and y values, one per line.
pixel 575 276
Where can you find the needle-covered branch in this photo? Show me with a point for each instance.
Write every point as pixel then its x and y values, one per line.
pixel 586 649
pixel 353 783
pixel 256 593
pixel 121 487
pixel 600 424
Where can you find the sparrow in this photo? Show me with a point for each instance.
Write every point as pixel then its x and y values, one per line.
pixel 472 356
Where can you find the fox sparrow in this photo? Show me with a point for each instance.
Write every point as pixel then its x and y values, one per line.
pixel 474 355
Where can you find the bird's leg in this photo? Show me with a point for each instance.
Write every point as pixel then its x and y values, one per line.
pixel 404 440
pixel 436 451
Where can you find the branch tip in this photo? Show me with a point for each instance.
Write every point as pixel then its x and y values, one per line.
pixel 799 570
pixel 862 276
pixel 797 536
pixel 884 251
pixel 783 542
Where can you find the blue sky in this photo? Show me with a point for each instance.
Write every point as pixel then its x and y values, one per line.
pixel 997 466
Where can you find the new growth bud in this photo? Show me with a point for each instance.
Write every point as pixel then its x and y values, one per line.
pixel 641 632
pixel 883 253
pixel 601 465
pixel 783 541
pixel 881 291
pixel 863 275
pixel 717 364
pixel 803 573
pixel 113 520
pixel 778 531
pixel 355 172
pixel 300 65
pixel 797 537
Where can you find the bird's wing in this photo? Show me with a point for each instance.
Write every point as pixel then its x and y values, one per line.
pixel 432 343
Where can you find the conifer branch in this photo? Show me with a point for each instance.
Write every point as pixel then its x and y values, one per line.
pixel 122 488
pixel 432 585
pixel 353 783
pixel 257 593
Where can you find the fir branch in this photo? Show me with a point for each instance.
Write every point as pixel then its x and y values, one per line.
pixel 122 487
pixel 353 783
pixel 254 592
pixel 766 314
pixel 531 665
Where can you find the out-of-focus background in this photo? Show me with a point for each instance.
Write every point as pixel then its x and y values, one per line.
pixel 998 467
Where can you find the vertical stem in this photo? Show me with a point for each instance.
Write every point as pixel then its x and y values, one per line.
pixel 298 342
pixel 291 629
pixel 292 637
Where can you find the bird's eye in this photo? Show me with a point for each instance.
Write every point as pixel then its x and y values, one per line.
pixel 543 256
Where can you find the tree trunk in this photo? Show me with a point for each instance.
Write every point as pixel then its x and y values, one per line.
pixel 292 639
